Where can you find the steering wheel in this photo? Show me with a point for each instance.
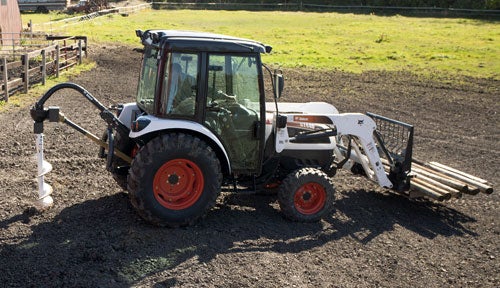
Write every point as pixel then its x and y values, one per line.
pixel 222 95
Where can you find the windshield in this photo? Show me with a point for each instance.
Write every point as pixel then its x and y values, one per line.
pixel 147 80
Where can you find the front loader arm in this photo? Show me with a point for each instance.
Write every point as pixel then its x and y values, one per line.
pixel 358 127
pixel 362 127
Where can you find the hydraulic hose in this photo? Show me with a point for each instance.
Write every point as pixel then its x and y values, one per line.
pixel 40 114
pixel 39 104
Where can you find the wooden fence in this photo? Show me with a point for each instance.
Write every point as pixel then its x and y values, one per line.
pixel 24 65
pixel 307 6
pixel 60 25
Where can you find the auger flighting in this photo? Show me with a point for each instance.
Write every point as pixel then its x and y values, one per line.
pixel 44 200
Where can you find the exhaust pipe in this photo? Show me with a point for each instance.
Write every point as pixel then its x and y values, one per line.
pixel 44 200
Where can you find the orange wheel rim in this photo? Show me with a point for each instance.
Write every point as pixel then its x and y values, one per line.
pixel 310 198
pixel 273 185
pixel 178 184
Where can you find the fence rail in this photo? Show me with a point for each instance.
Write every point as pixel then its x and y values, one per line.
pixel 21 66
pixel 301 6
pixel 61 24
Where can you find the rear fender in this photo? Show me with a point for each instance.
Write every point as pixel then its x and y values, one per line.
pixel 164 125
pixel 129 113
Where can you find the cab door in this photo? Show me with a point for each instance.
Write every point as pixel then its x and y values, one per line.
pixel 233 107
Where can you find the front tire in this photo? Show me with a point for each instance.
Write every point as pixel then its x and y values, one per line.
pixel 174 180
pixel 306 195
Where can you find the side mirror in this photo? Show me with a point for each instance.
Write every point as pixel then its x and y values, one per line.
pixel 279 84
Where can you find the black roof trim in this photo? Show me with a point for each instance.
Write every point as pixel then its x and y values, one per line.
pixel 201 41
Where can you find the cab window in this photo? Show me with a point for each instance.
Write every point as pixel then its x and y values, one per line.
pixel 180 85
pixel 233 107
pixel 147 81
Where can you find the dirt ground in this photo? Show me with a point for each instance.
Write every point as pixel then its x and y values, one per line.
pixel 92 237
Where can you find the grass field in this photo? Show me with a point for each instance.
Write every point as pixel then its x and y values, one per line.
pixel 347 42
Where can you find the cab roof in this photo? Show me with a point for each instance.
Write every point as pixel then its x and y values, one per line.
pixel 199 41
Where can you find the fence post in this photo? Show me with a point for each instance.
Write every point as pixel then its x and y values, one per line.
pixel 44 67
pixel 79 51
pixel 65 54
pixel 26 72
pixel 57 61
pixel 30 24
pixel 5 79
pixel 85 45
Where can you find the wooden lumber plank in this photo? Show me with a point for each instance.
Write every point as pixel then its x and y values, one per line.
pixel 456 171
pixel 482 187
pixel 446 194
pixel 452 182
pixel 454 192
pixel 425 191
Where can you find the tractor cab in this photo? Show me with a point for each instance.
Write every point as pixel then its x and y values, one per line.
pixel 209 84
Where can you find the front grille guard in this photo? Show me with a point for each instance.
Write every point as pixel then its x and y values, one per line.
pixel 395 144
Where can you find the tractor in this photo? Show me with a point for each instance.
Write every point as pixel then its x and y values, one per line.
pixel 201 123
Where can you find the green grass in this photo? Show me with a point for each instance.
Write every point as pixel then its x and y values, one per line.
pixel 347 42
pixel 44 17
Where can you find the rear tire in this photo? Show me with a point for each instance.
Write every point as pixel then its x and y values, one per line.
pixel 306 195
pixel 174 180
